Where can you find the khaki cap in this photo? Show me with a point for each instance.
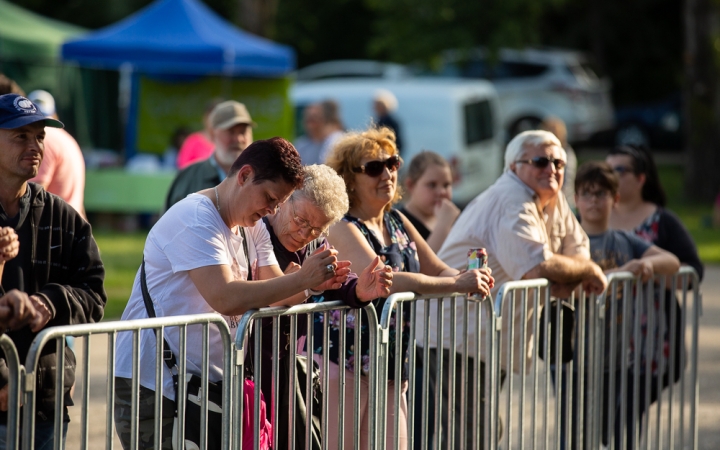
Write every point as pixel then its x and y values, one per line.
pixel 228 114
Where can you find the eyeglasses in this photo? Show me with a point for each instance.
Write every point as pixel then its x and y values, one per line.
pixel 622 169
pixel 542 162
pixel 375 168
pixel 600 195
pixel 304 224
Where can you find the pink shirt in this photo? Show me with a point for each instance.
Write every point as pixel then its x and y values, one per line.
pixel 195 148
pixel 62 171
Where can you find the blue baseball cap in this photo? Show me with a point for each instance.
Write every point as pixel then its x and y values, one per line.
pixel 17 111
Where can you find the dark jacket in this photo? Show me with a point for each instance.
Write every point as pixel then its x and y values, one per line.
pixel 63 267
pixel 193 178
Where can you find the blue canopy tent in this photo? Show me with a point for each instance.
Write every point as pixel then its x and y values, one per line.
pixel 180 37
pixel 173 57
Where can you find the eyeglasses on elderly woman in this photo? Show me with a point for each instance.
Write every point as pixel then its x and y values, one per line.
pixel 304 223
pixel 375 168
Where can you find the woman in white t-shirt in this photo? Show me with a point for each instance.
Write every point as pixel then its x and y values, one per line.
pixel 195 262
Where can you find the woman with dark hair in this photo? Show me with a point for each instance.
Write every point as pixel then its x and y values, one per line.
pixel 212 252
pixel 641 206
pixel 641 209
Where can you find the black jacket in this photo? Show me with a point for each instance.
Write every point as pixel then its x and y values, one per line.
pixel 63 266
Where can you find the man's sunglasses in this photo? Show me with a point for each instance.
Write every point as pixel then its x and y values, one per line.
pixel 542 162
pixel 375 168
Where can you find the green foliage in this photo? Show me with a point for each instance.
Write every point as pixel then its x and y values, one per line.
pixel 97 14
pixel 412 30
pixel 322 30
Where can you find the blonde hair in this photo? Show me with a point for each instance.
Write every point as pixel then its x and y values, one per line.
pixel 325 189
pixel 353 147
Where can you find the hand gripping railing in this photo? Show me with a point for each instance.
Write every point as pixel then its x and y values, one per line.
pixel 58 334
pixel 251 324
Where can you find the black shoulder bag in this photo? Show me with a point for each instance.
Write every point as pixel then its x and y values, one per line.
pixel 193 403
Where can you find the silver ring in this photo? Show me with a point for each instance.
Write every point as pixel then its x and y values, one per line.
pixel 330 268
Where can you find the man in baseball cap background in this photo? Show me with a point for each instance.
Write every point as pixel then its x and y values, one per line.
pixel 50 267
pixel 231 134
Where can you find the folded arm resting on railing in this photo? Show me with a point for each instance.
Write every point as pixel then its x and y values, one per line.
pixel 566 272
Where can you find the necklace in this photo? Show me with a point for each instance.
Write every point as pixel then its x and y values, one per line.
pixel 217 199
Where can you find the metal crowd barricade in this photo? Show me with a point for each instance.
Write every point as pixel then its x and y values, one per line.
pixel 647 364
pixel 530 413
pixel 450 372
pixel 285 328
pixel 15 375
pixel 58 335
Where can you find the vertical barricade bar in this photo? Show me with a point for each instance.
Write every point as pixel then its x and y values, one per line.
pixel 12 438
pixel 514 307
pixel 696 313
pixel 383 330
pixel 110 391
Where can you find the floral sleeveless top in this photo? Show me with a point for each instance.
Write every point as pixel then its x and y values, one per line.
pixel 402 256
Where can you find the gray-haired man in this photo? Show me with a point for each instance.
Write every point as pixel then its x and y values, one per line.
pixel 529 231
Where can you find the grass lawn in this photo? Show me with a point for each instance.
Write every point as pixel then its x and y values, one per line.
pixel 695 215
pixel 122 253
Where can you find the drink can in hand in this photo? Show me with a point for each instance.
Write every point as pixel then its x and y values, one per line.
pixel 477 258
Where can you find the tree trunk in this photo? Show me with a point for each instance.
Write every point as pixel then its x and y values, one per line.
pixel 702 99
pixel 258 16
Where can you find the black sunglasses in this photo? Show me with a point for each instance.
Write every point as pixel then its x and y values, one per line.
pixel 542 162
pixel 375 168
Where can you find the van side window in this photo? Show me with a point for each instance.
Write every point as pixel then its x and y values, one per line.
pixel 478 122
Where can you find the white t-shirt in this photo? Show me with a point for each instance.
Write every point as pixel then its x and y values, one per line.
pixel 506 220
pixel 189 235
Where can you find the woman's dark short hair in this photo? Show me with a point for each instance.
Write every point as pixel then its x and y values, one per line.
pixel 596 174
pixel 272 160
pixel 644 163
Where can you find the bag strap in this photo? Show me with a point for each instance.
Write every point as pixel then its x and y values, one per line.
pixel 168 355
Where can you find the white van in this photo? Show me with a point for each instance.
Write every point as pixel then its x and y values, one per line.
pixel 456 118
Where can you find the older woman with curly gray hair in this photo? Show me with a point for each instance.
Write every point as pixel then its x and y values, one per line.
pixel 297 230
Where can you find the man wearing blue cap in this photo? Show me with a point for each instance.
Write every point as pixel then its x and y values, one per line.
pixel 56 274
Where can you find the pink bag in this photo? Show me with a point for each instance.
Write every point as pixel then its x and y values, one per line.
pixel 247 419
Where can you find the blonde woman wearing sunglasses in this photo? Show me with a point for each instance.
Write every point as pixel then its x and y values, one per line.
pixel 369 163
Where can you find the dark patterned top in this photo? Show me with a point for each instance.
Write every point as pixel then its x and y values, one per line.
pixel 664 229
pixel 402 256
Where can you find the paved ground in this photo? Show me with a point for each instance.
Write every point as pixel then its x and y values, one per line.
pixel 709 373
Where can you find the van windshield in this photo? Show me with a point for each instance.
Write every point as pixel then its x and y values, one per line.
pixel 478 122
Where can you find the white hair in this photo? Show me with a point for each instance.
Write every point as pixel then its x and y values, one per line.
pixel 531 138
pixel 387 98
pixel 325 189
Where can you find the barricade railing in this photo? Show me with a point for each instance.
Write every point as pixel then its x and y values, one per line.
pixel 481 373
pixel 450 369
pixel 647 366
pixel 58 335
pixel 285 324
pixel 618 376
pixel 15 377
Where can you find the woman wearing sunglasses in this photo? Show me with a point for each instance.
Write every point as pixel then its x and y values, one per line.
pixel 369 163
pixel 641 206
